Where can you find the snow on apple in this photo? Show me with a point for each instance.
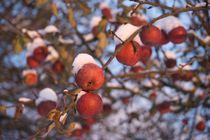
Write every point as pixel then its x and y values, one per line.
pixel 80 60
pixel 51 29
pixel 46 94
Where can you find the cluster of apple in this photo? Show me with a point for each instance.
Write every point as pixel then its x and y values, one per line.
pixel 150 35
pixel 38 53
pixel 199 123
pixel 89 77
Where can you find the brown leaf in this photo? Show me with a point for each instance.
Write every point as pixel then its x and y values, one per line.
pixel 102 24
pixel 71 18
pixel 18 111
pixel 54 114
pixel 102 43
pixel 54 9
pixel 86 10
pixel 41 2
pixel 3 109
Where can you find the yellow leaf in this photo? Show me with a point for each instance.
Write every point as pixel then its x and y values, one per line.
pixel 71 18
pixel 3 109
pixel 102 43
pixel 102 24
pixel 17 46
pixel 54 9
pixel 41 2
pixel 86 10
pixel 53 114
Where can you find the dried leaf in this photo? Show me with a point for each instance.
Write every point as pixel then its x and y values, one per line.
pixel 3 109
pixel 102 24
pixel 102 43
pixel 17 46
pixel 86 10
pixel 41 2
pixel 18 111
pixel 70 128
pixel 54 9
pixel 54 114
pixel 71 18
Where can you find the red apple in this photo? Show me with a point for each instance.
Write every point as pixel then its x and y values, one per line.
pixel 90 77
pixel 137 21
pixel 129 53
pixel 58 66
pixel 32 62
pixel 145 53
pixel 40 53
pixel 31 79
pixel 126 100
pixel 45 107
pixel 151 35
pixel 201 125
pixel 89 105
pixel 89 121
pixel 178 35
pixel 164 107
pixel 107 13
pixel 170 62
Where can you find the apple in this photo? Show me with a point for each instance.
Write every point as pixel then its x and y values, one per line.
pixel 32 62
pixel 107 13
pixel 45 107
pixel 31 79
pixel 89 104
pixel 164 38
pixel 145 53
pixel 177 35
pixel 129 53
pixel 137 21
pixel 200 126
pixel 126 100
pixel 58 66
pixel 40 53
pixel 151 35
pixel 89 121
pixel 77 132
pixel 164 107
pixel 170 62
pixel 90 77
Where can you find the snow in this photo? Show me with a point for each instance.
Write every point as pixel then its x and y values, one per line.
pixel 80 60
pixel 202 4
pixel 37 42
pixel 28 71
pixel 79 95
pixel 124 32
pixel 199 118
pixel 77 126
pixel 24 99
pixel 95 21
pixel 207 39
pixel 88 37
pixel 51 29
pixel 170 54
pixel 46 94
pixel 63 117
pixel 103 5
pixel 31 34
pixel 65 41
pixel 168 23
pixel 53 54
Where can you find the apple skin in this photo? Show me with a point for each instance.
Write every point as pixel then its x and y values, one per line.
pixel 129 53
pixel 32 62
pixel 126 100
pixel 170 62
pixel 77 132
pixel 145 53
pixel 90 77
pixel 200 126
pixel 136 21
pixel 177 35
pixel 40 53
pixel 164 38
pixel 89 105
pixel 89 121
pixel 45 107
pixel 151 35
pixel 58 66
pixel 31 79
pixel 106 12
